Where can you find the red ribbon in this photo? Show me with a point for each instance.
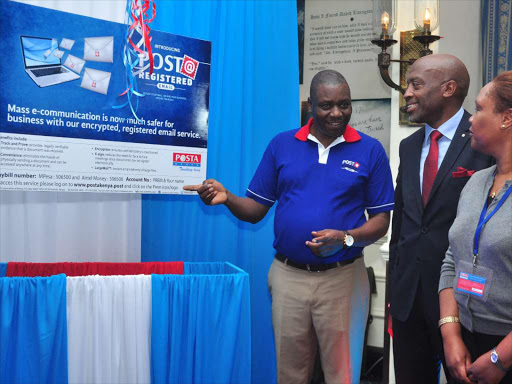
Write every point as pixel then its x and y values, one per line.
pixel 143 21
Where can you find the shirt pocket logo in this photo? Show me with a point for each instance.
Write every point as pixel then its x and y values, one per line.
pixel 351 166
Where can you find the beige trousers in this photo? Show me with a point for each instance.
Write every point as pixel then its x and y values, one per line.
pixel 326 308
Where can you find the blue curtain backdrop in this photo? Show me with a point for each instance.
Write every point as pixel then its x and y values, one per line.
pixel 201 326
pixel 254 95
pixel 33 330
pixel 496 38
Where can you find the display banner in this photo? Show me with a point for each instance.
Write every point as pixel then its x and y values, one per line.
pixel 65 124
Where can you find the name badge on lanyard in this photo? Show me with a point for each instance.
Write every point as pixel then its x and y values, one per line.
pixel 473 279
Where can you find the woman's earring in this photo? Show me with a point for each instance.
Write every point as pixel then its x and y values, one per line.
pixel 503 126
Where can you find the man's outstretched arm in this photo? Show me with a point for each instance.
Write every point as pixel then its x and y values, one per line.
pixel 214 193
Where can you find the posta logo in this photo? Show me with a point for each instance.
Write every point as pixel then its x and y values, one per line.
pixel 354 164
pixel 186 159
pixel 351 166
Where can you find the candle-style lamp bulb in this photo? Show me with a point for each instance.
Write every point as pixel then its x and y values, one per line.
pixel 426 20
pixel 384 20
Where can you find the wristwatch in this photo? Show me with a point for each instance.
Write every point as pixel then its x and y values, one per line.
pixel 495 359
pixel 348 240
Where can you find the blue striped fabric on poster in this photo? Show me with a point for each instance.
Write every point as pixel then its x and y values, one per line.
pixel 33 330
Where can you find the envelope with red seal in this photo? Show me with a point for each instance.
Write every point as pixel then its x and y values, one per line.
pixel 96 80
pixel 74 63
pixel 58 53
pixel 99 49
pixel 66 44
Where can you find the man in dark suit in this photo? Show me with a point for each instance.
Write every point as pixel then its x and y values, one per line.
pixel 428 186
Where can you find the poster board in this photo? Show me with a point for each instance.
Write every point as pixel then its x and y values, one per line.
pixel 74 134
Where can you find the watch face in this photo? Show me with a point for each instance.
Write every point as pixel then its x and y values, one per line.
pixel 349 240
pixel 494 357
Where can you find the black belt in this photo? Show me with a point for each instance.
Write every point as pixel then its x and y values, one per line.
pixel 315 267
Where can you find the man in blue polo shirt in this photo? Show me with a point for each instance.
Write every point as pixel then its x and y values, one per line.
pixel 324 177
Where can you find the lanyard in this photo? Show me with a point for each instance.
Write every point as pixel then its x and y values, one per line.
pixel 484 219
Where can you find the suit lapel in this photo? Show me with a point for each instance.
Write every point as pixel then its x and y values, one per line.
pixel 457 145
pixel 414 161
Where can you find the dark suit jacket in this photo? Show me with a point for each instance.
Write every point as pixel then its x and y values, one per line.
pixel 419 236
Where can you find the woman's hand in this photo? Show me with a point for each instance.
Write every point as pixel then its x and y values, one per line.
pixel 483 371
pixel 456 354
pixel 457 357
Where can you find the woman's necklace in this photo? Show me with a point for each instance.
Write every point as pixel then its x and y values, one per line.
pixel 497 187
pixel 493 193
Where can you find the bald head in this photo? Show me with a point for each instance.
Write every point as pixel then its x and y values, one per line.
pixel 436 88
pixel 326 77
pixel 446 67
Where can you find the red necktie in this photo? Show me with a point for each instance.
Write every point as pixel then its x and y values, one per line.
pixel 430 167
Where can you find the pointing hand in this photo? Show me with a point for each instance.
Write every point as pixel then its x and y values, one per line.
pixel 211 192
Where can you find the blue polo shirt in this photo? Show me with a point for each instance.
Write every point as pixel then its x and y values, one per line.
pixel 320 188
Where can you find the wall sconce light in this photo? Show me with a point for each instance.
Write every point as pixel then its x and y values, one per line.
pixel 426 20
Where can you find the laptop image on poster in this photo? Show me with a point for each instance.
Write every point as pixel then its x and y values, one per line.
pixel 42 60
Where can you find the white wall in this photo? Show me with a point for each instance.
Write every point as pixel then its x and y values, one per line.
pixel 462 37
